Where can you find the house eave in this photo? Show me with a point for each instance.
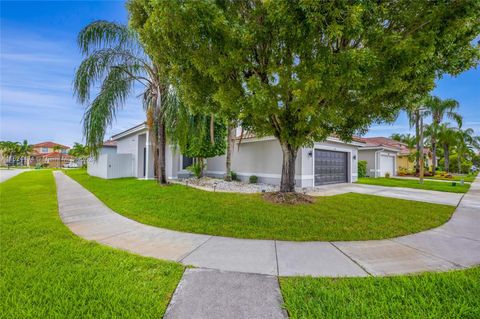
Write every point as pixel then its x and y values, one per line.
pixel 130 131
pixel 379 148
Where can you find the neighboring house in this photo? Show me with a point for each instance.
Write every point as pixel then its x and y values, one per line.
pixel 45 154
pixel 329 162
pixel 385 155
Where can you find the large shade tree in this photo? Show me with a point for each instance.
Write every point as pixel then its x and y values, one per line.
pixel 302 70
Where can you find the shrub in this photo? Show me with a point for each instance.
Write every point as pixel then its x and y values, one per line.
pixel 234 176
pixel 253 179
pixel 362 169
pixel 387 175
pixel 196 169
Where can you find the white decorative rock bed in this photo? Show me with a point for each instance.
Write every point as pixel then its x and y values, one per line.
pixel 210 184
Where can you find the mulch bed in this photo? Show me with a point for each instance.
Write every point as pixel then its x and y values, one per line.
pixel 292 198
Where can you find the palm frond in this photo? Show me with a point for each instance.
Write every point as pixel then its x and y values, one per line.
pixel 100 34
pixel 101 113
pixel 96 66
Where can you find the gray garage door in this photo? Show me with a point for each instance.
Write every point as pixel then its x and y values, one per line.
pixel 330 167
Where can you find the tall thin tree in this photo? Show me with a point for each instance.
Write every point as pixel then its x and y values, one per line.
pixel 115 58
pixel 438 109
pixel 447 136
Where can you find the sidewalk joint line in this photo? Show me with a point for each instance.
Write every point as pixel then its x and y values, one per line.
pixel 194 249
pixel 276 257
pixel 353 260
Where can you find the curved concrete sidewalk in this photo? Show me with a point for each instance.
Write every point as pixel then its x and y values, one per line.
pixel 454 245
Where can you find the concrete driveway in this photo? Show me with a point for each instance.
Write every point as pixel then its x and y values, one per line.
pixel 420 195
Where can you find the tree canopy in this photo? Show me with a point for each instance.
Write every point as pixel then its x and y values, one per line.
pixel 302 70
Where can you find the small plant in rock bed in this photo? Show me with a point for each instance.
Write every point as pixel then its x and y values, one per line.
pixel 197 169
pixel 387 175
pixel 234 176
pixel 253 179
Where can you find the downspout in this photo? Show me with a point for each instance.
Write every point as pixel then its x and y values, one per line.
pixel 377 164
pixel 147 154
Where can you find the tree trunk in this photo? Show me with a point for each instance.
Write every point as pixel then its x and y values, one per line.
pixel 154 139
pixel 417 134
pixel 228 163
pixel 447 158
pixel 434 156
pixel 287 184
pixel 162 143
pixel 459 163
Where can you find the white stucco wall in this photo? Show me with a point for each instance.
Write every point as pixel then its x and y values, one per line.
pixel 372 157
pixel 129 145
pixel 110 165
pixel 264 159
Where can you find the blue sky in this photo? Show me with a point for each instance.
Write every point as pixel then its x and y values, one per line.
pixel 39 55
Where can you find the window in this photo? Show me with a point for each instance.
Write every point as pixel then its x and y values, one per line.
pixel 64 151
pixel 44 149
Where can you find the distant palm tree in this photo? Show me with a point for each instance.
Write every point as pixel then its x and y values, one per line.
pixel 10 148
pixel 414 113
pixel 407 139
pixel 447 137
pixel 466 145
pixel 25 151
pixel 115 58
pixel 438 109
pixel 80 152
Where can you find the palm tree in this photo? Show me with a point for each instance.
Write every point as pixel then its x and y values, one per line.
pixel 407 139
pixel 414 114
pixel 10 148
pixel 447 137
pixel 438 109
pixel 115 58
pixel 25 151
pixel 79 151
pixel 466 143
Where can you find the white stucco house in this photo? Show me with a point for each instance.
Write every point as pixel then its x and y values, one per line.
pixel 381 159
pixel 329 162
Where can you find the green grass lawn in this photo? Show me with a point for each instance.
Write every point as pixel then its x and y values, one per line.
pixel 436 295
pixel 342 217
pixel 48 272
pixel 410 183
